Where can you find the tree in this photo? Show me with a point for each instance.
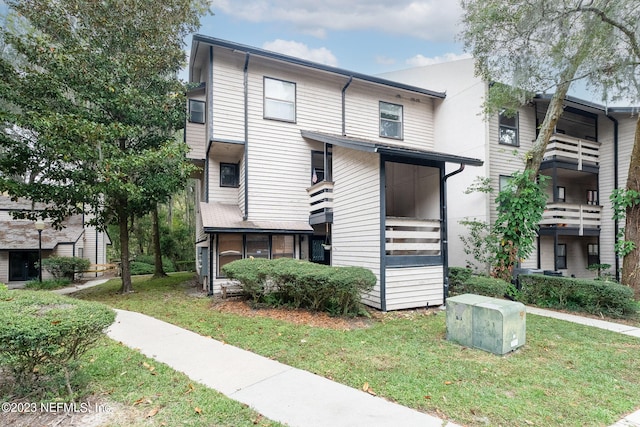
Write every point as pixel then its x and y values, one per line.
pixel 89 105
pixel 529 47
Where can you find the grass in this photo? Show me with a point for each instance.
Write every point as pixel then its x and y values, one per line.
pixel 153 394
pixel 566 374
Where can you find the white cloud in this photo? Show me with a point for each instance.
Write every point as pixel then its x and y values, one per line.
pixel 301 50
pixel 434 20
pixel 420 60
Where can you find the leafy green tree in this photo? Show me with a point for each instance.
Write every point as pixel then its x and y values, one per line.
pixel 89 105
pixel 531 47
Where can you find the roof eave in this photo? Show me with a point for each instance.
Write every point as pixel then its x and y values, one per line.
pixel 197 38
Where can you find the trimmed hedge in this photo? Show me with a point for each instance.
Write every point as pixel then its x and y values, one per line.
pixel 42 335
pixel 299 283
pixel 460 283
pixel 590 296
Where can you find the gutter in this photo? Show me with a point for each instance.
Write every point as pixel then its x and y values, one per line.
pixel 444 231
pixel 246 136
pixel 616 171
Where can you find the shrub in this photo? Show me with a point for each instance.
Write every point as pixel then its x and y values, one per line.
pixel 167 264
pixel 64 267
pixel 302 284
pixel 138 268
pixel 459 275
pixel 48 284
pixel 590 296
pixel 42 335
pixel 480 285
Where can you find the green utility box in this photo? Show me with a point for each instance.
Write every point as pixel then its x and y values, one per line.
pixel 490 324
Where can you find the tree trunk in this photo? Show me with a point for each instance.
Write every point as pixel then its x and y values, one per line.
pixel 124 249
pixel 631 262
pixel 159 270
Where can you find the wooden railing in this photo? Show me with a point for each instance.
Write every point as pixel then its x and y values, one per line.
pixel 412 236
pixel 575 149
pixel 570 215
pixel 320 197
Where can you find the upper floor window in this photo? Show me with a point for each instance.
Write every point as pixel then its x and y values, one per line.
pixel 196 111
pixel 390 120
pixel 229 175
pixel 592 197
pixel 279 100
pixel 508 129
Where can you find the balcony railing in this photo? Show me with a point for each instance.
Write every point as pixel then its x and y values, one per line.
pixel 321 202
pixel 570 215
pixel 577 150
pixel 412 236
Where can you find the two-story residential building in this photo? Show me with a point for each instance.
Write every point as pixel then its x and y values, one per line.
pixel 21 244
pixel 302 160
pixel 587 157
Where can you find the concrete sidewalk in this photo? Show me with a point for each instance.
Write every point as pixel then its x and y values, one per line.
pixel 279 392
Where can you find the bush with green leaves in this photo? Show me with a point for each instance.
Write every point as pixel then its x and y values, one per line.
pixel 590 296
pixel 462 283
pixel 42 335
pixel 65 267
pixel 167 264
pixel 297 283
pixel 137 268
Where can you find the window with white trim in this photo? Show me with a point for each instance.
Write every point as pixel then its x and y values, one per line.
pixel 390 120
pixel 279 100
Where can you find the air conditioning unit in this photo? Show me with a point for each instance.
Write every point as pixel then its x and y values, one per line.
pixel 491 324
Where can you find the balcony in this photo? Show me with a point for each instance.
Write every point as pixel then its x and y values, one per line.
pixel 574 150
pixel 321 203
pixel 412 238
pixel 585 219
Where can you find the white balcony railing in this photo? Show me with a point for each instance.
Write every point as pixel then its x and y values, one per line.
pixel 574 149
pixel 320 198
pixel 570 215
pixel 412 236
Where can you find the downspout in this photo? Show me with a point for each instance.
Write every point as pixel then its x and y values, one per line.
pixel 97 237
pixel 210 293
pixel 615 185
pixel 246 137
pixel 206 173
pixel 344 102
pixel 209 109
pixel 444 232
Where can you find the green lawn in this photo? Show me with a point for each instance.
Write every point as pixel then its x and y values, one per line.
pixel 566 374
pixel 149 393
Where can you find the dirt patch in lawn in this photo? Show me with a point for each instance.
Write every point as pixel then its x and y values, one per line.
pixel 295 316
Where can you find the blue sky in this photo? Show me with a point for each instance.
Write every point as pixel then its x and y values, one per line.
pixel 367 36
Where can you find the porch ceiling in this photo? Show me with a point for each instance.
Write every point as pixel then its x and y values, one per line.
pixel 222 218
pixel 371 146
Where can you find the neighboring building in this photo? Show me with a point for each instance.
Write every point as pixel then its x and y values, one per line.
pixel 20 243
pixel 307 161
pixel 587 157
